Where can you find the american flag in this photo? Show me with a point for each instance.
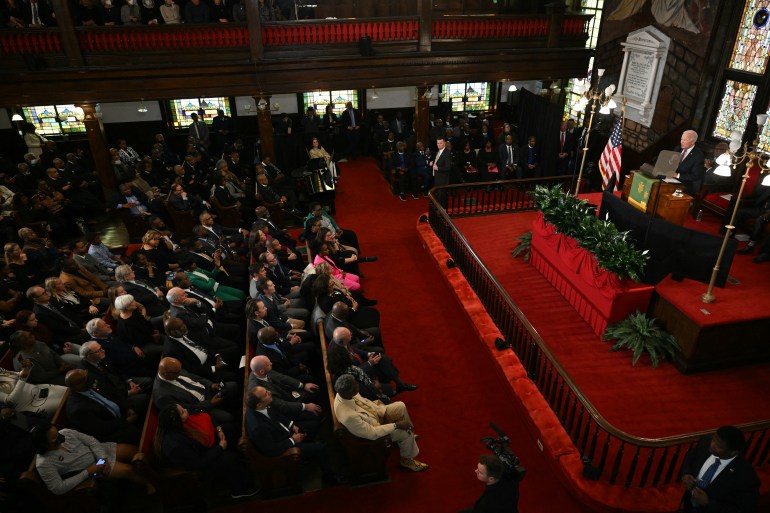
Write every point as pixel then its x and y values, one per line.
pixel 609 164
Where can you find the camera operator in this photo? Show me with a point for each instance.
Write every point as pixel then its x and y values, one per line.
pixel 501 494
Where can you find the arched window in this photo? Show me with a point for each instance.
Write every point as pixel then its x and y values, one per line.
pixel 745 72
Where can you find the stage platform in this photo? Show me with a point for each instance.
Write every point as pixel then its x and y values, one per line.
pixel 640 401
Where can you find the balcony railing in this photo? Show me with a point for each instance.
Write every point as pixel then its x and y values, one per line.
pixel 172 37
pixel 520 27
pixel 531 30
pixel 325 32
pixel 30 42
pixel 611 455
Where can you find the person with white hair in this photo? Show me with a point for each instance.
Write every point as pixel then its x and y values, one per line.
pixel 692 167
pixel 148 295
pixel 135 329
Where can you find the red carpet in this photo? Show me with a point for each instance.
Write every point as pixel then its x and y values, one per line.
pixel 639 400
pixel 430 338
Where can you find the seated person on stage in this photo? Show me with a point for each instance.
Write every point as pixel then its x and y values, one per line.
pixel 760 210
pixel 718 183
pixel 691 163
pixel 501 494
pixel 716 475
pixel 76 455
pixel 192 441
pixel 373 420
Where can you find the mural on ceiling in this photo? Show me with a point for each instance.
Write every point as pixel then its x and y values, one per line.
pixel 689 22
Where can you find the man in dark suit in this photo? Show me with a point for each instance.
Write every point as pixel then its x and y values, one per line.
pixel 150 296
pixel 691 163
pixel 508 161
pixel 132 199
pixel 401 168
pixel 193 354
pixel 65 325
pixel 350 121
pixel 529 159
pixel 717 477
pixel 566 144
pixel 338 318
pixel 37 14
pixel 125 358
pixel 135 390
pixel 272 433
pixel 180 200
pixel 224 338
pixel 199 131
pixel 290 396
pixel 273 229
pixel 175 385
pixel 442 167
pixel 500 492
pixel 94 411
pixel 282 354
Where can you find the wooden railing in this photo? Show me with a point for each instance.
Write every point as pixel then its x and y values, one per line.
pixel 609 455
pixel 514 27
pixel 324 32
pixel 30 42
pixel 277 35
pixel 143 38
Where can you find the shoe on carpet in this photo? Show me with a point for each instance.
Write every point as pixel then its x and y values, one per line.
pixel 415 196
pixel 402 197
pixel 406 387
pixel 413 465
pixel 367 259
pixel 246 493
pixel 746 251
pixel 762 257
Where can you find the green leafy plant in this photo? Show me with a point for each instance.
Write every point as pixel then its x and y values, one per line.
pixel 640 334
pixel 613 249
pixel 525 244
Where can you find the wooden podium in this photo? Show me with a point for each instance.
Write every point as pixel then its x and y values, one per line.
pixel 670 208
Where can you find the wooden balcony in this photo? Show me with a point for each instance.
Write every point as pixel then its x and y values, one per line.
pixel 156 61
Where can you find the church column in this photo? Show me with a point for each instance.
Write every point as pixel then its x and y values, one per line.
pixel 265 123
pixel 67 33
pixel 256 49
pixel 425 11
pixel 556 14
pixel 99 149
pixel 422 119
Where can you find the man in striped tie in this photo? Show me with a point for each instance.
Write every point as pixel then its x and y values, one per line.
pixel 717 476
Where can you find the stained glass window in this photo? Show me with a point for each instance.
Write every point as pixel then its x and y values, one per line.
pixel 735 109
pixel 466 96
pixel 182 109
pixel 753 41
pixel 320 99
pixel 54 119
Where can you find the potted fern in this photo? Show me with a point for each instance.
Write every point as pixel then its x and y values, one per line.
pixel 640 334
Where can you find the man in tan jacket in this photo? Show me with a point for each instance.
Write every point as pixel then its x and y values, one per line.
pixel 372 420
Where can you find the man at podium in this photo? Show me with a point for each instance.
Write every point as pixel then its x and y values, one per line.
pixel 691 163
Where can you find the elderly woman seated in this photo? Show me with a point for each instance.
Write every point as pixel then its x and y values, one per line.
pixel 81 457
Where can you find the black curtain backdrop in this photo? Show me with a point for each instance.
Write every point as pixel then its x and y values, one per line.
pixel 675 250
pixel 542 119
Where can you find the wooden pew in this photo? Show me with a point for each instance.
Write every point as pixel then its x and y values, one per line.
pixel 181 490
pixel 278 476
pixel 367 458
pixel 81 499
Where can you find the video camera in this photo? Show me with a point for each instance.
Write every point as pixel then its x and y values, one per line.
pixel 499 447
